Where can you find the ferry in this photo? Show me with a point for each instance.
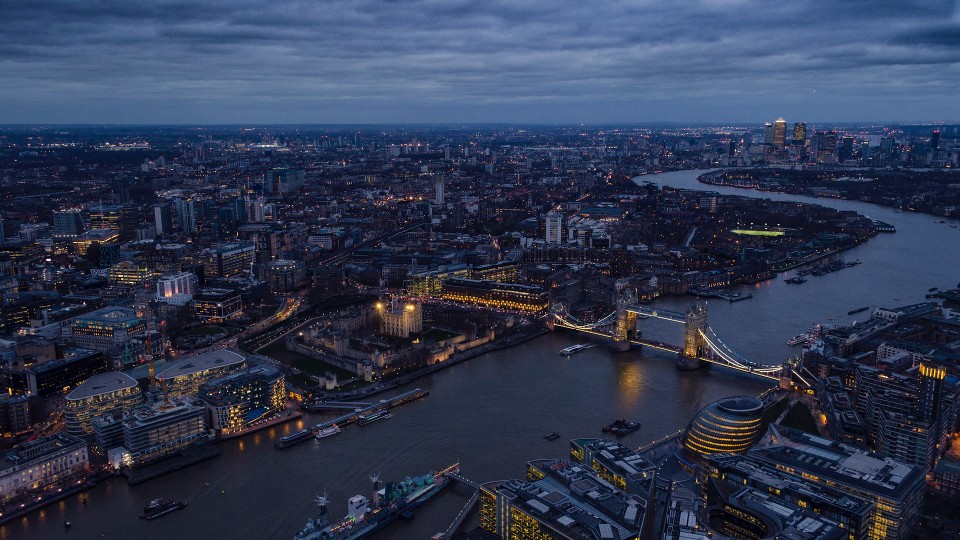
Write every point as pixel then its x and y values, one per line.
pixel 366 517
pixel 328 431
pixel 796 280
pixel 573 349
pixel 365 419
pixel 160 507
pixel 797 340
pixel 293 438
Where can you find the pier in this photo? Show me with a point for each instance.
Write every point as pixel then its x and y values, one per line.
pixel 355 412
pixel 321 406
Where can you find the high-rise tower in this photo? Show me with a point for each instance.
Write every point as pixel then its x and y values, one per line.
pixel 780 133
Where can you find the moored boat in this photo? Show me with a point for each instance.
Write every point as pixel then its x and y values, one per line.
pixel 365 419
pixel 365 516
pixel 161 507
pixel 328 431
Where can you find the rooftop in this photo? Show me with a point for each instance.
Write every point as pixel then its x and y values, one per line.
pixel 110 315
pixel 202 362
pixel 841 463
pixel 102 383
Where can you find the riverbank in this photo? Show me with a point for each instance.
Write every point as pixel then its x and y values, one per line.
pixel 57 496
pixel 455 359
pixel 715 178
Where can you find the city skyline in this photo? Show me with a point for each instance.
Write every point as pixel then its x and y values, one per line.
pixel 441 62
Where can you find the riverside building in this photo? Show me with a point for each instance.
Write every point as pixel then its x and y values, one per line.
pixel 99 395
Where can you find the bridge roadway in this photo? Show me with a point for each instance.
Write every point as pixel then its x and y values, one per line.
pixel 742 365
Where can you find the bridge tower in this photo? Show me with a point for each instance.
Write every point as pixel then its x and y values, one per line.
pixel 626 322
pixel 694 344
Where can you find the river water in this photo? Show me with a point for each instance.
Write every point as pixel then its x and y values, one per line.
pixel 492 412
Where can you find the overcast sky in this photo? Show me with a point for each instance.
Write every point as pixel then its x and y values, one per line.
pixel 566 61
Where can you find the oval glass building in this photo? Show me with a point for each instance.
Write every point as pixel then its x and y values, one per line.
pixel 728 425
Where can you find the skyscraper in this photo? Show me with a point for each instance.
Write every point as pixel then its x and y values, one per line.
pixel 438 191
pixel 931 390
pixel 186 215
pixel 768 133
pixel 67 223
pixel 161 218
pixel 799 133
pixel 553 228
pixel 780 133
pixel 935 139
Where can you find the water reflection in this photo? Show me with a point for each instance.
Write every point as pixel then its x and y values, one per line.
pixel 629 382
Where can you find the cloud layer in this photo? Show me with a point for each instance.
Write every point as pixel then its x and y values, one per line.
pixel 329 61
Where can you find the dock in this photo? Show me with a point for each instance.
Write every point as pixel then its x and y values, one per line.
pixel 322 406
pixel 185 458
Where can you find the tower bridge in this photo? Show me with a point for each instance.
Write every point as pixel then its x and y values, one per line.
pixel 700 343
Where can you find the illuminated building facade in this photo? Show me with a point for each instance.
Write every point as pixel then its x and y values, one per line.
pixel 780 133
pixel 283 276
pixel 799 133
pixel 728 425
pixel 431 283
pixel 749 513
pixel 893 488
pixel 67 223
pixel 95 236
pixel 400 319
pixel 177 288
pixel 40 463
pixel 99 395
pixel 185 376
pixel 52 377
pixel 553 228
pixel 615 463
pixel 129 273
pixel 227 260
pixel 151 432
pixel 560 499
pixel 217 304
pixel 723 474
pixel 106 217
pixel 283 180
pixel 235 401
pixel 506 296
pixel 105 328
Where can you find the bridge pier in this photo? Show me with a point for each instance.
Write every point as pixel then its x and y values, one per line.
pixel 694 344
pixel 688 363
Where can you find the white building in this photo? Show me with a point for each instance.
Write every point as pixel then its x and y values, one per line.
pixel 438 192
pixel 554 228
pixel 400 320
pixel 177 288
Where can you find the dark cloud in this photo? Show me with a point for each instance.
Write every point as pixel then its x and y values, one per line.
pixel 462 60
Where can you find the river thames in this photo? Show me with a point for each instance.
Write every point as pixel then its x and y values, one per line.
pixel 492 412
